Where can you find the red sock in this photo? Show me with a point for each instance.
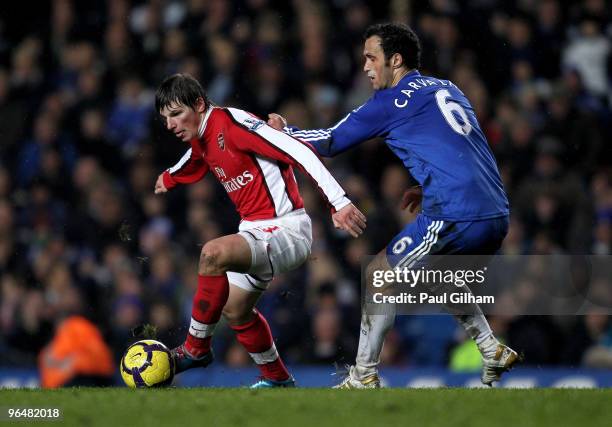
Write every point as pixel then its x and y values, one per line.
pixel 256 337
pixel 208 303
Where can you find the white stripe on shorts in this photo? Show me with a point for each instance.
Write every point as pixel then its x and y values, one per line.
pixel 421 250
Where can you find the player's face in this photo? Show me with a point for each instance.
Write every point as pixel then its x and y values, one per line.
pixel 378 70
pixel 182 120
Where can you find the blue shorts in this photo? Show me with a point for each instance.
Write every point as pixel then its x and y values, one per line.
pixel 426 236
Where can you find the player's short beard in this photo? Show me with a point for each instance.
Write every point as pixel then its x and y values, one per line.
pixel 384 79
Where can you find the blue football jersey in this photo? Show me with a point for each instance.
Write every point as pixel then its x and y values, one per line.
pixel 431 126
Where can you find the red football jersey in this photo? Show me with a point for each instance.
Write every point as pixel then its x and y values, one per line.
pixel 254 163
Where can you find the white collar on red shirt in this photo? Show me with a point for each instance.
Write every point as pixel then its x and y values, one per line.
pixel 202 126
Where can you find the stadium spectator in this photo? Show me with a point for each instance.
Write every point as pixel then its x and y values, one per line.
pixel 588 52
pixel 76 356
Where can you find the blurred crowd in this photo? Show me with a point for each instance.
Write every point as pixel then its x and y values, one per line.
pixel 81 146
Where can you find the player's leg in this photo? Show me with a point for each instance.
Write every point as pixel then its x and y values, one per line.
pixel 273 248
pixel 374 327
pixel 252 329
pixel 409 249
pixel 373 330
pixel 415 238
pixel 481 237
pixel 217 257
pixel 497 358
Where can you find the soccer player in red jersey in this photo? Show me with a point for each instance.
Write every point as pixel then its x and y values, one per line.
pixel 254 163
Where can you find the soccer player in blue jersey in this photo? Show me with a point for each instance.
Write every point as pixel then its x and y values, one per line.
pixel 431 126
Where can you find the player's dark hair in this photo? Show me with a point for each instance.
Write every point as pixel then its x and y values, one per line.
pixel 397 38
pixel 179 89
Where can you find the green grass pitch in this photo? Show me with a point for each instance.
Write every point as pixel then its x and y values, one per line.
pixel 117 407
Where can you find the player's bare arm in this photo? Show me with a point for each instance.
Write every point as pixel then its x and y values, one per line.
pixel 350 219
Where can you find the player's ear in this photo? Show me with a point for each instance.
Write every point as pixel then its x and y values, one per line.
pixel 200 105
pixel 397 61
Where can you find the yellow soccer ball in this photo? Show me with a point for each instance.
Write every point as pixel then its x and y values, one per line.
pixel 147 363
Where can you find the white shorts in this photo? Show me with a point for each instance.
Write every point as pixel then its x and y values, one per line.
pixel 277 245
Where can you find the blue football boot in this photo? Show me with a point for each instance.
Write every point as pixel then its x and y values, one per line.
pixel 184 361
pixel 268 383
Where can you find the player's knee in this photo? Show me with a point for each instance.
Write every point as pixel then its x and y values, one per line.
pixel 370 269
pixel 375 271
pixel 238 314
pixel 376 265
pixel 213 258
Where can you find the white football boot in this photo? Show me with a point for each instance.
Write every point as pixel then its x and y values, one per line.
pixel 352 382
pixel 492 368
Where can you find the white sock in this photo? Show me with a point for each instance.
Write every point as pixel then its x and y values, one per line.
pixel 475 324
pixel 374 328
pixel 478 329
pixel 488 347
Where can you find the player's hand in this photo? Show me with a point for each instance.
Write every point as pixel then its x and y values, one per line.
pixel 277 121
pixel 159 185
pixel 350 219
pixel 412 198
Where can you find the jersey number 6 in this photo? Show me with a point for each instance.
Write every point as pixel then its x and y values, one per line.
pixel 447 107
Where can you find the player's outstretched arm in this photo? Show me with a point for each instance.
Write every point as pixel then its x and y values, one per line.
pixel 361 124
pixel 350 219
